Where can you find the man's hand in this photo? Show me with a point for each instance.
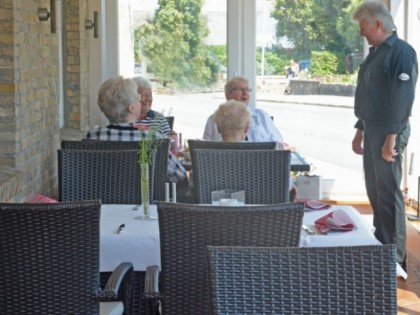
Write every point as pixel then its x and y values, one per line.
pixel 357 142
pixel 388 149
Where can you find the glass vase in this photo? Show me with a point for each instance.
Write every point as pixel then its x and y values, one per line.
pixel 144 187
pixel 145 194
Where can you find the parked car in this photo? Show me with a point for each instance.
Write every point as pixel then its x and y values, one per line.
pixel 304 65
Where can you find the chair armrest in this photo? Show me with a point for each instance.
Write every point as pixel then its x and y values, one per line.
pixel 122 275
pixel 151 282
pixel 119 286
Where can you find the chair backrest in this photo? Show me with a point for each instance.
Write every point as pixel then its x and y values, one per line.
pixel 185 231
pixel 49 258
pixel 112 176
pixel 264 175
pixel 161 158
pixel 87 144
pixel 170 120
pixel 323 280
pixel 200 144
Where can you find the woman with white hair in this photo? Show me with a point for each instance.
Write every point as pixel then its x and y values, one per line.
pixel 149 117
pixel 233 120
pixel 119 101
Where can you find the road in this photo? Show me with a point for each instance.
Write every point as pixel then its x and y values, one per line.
pixel 322 134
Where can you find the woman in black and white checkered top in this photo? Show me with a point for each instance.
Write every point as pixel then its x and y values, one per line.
pixel 119 100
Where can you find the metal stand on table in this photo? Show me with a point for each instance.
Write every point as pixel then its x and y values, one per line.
pixel 416 217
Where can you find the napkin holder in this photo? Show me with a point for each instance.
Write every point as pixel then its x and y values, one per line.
pixel 228 197
pixel 309 187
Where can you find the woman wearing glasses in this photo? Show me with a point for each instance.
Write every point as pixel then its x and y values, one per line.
pixel 262 128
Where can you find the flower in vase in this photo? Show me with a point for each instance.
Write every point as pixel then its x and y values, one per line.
pixel 148 145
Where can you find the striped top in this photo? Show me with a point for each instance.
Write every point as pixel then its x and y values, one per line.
pixel 157 120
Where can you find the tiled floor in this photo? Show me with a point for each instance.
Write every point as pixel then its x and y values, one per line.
pixel 408 292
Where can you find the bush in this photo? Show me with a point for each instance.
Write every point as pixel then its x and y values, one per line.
pixel 274 64
pixel 323 62
pixel 220 52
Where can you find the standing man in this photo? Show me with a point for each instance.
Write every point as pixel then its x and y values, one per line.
pixel 383 102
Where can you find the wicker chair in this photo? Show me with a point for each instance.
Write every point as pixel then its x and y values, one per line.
pixel 199 144
pixel 170 120
pixel 161 158
pixel 111 176
pixel 323 280
pixel 264 175
pixel 50 261
pixel 297 162
pixel 186 230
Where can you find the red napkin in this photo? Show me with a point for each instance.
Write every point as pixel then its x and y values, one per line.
pixel 315 205
pixel 36 198
pixel 336 220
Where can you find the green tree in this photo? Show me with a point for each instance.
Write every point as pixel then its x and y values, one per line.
pixel 274 63
pixel 292 22
pixel 173 43
pixel 220 52
pixel 320 25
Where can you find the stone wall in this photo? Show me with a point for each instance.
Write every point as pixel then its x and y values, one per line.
pixel 76 64
pixel 314 87
pixel 29 95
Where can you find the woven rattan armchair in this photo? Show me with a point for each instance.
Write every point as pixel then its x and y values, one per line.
pixel 264 175
pixel 112 176
pixel 323 280
pixel 161 158
pixel 50 261
pixel 185 231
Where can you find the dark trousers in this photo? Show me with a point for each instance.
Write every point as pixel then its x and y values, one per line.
pixel 383 180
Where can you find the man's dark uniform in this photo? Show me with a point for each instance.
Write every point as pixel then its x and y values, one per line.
pixel 384 98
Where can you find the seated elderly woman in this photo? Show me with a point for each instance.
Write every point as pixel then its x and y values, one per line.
pixel 233 120
pixel 119 101
pixel 148 116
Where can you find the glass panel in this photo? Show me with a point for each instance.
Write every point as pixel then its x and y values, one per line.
pixel 301 45
pixel 181 47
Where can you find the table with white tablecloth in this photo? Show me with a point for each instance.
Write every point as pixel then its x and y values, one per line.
pixel 139 242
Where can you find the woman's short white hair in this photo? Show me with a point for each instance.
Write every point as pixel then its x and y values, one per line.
pixel 115 96
pixel 143 83
pixel 232 115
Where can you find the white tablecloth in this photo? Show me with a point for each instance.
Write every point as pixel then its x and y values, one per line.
pixel 139 244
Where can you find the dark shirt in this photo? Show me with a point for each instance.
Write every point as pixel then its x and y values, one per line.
pixel 386 85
